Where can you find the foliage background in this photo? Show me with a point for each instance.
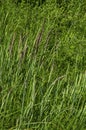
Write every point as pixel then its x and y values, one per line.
pixel 43 65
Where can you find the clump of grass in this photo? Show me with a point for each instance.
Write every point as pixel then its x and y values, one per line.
pixel 42 67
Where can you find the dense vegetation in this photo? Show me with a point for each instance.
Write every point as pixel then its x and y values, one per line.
pixel 43 65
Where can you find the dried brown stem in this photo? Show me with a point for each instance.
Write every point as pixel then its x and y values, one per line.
pixel 38 39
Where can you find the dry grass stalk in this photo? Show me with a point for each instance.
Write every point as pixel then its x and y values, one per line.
pixel 20 42
pixel 47 39
pixel 23 52
pixel 11 44
pixel 38 39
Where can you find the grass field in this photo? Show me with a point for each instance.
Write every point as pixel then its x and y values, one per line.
pixel 43 66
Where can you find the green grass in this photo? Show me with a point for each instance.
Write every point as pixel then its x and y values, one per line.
pixel 43 66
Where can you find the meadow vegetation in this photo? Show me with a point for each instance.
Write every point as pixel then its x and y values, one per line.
pixel 43 65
